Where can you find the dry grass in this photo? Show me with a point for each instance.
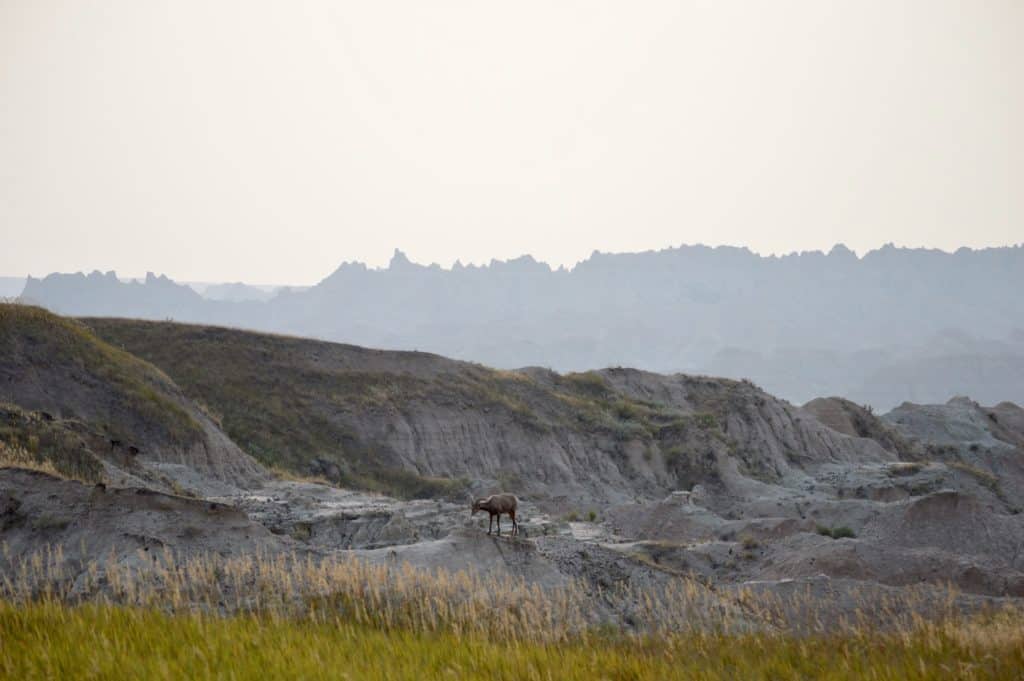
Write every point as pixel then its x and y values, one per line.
pixel 905 468
pixel 289 616
pixel 982 476
pixel 12 456
pixel 285 474
pixel 30 440
pixel 397 596
pixel 19 457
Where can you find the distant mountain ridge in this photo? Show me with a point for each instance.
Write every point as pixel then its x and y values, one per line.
pixel 11 287
pixel 893 325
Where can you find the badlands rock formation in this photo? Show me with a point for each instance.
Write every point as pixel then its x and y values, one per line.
pixel 625 477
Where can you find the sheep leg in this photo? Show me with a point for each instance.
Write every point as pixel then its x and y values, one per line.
pixel 499 524
pixel 490 522
pixel 515 525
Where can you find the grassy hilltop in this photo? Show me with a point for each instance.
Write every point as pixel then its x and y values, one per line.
pixel 139 396
pixel 69 401
pixel 65 394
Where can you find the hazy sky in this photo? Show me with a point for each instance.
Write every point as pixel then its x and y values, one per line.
pixel 269 141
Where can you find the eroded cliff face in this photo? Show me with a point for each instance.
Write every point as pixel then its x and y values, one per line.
pixel 613 436
pixel 986 443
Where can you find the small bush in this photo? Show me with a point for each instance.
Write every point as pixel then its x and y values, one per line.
pixel 627 411
pixel 624 431
pixel 841 532
pixel 592 516
pixel 50 522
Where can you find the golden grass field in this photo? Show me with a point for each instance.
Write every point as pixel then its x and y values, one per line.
pixel 260 617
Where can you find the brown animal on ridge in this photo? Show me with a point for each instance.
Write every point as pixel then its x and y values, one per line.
pixel 496 505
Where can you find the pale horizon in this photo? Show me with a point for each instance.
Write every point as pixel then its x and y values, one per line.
pixel 265 143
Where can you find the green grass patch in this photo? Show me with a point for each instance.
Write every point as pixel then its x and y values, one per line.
pixel 47 641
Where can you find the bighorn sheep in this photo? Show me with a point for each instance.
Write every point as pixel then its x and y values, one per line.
pixel 496 505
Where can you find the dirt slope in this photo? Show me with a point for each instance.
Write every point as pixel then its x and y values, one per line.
pixel 99 523
pixel 852 419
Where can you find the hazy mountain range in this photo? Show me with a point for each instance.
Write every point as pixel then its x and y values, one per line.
pixel 896 324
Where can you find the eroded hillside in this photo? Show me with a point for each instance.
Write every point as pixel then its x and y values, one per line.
pixel 73 399
pixel 415 423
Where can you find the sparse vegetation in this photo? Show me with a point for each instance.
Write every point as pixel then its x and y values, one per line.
pixel 408 485
pixel 674 454
pixel 983 477
pixel 29 440
pixel 588 382
pixel 16 457
pixel 940 452
pixel 285 474
pixel 50 522
pixel 706 421
pixel 177 488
